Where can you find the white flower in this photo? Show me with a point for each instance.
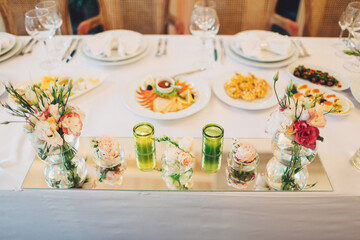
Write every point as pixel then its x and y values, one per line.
pixel 171 155
pixel 304 115
pixel 54 111
pixel 47 132
pixel 278 121
pixel 186 143
pixel 29 94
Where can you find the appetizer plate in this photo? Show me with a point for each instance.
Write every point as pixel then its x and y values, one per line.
pixel 3 81
pixel 355 90
pixel 344 81
pixel 251 63
pixel 90 81
pixel 266 55
pixel 260 103
pixel 116 63
pixel 129 96
pixel 12 51
pixel 347 104
pixel 12 42
pixel 114 54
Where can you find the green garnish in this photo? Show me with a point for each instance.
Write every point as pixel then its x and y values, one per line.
pixel 172 94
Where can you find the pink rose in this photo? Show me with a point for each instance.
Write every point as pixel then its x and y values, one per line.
pixel 185 158
pixel 245 153
pixel 306 135
pixel 317 118
pixel 109 147
pixel 71 123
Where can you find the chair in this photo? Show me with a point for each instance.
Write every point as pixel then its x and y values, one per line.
pixel 240 15
pixel 13 15
pixel 322 16
pixel 147 17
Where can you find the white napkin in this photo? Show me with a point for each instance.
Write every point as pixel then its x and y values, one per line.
pixel 4 43
pixel 128 45
pixel 102 46
pixel 252 45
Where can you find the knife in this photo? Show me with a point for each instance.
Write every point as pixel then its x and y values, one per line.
pixel 73 51
pixel 32 47
pixel 25 47
pixel 222 51
pixel 68 49
pixel 215 50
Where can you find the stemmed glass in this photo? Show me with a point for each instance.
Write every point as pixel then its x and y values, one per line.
pixel 205 25
pixel 354 45
pixel 40 25
pixel 341 45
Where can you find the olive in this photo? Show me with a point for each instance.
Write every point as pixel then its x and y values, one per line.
pixel 149 87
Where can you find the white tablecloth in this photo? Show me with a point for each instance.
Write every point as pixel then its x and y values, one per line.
pixel 213 215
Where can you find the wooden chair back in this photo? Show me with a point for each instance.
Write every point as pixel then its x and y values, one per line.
pixel 13 15
pixel 322 16
pixel 147 17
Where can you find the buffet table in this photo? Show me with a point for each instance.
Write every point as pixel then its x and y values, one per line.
pixel 91 214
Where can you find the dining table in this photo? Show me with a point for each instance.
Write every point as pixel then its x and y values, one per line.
pixel 136 214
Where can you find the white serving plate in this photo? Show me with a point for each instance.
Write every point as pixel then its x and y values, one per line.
pixel 344 81
pixel 114 54
pixel 12 39
pixel 266 56
pixel 355 90
pixel 13 51
pixel 260 103
pixel 200 85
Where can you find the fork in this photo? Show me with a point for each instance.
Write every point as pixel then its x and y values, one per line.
pixel 165 47
pixel 158 52
pixel 32 47
pixel 306 54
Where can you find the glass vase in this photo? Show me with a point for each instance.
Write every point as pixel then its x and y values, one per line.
pixel 176 176
pixel 66 169
pixel 287 170
pixel 212 147
pixel 145 146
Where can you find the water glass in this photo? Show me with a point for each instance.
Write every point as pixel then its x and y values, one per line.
pixel 212 147
pixel 145 146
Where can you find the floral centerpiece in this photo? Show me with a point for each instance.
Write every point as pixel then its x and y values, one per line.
pixel 53 127
pixel 109 159
pixel 295 129
pixel 177 162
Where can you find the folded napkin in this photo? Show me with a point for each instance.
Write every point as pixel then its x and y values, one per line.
pixel 103 46
pixel 4 43
pixel 251 45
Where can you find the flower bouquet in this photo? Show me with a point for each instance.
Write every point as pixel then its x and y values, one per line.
pixel 53 127
pixel 177 162
pixel 109 159
pixel 295 129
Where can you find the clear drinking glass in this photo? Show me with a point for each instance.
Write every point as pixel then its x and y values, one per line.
pixel 40 25
pixel 354 45
pixel 342 43
pixel 205 25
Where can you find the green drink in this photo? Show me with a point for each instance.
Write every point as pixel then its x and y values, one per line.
pixel 145 146
pixel 212 145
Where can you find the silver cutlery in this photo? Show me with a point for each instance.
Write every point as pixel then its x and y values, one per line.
pixel 222 51
pixel 26 46
pixel 32 47
pixel 215 50
pixel 189 72
pixel 66 54
pixel 165 47
pixel 306 53
pixel 74 51
pixel 158 52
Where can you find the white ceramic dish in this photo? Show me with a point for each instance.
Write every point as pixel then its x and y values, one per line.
pixel 12 43
pixel 13 51
pixel 78 90
pixel 130 100
pixel 3 81
pixel 251 63
pixel 266 56
pixel 260 103
pixel 344 81
pixel 355 90
pixel 329 91
pixel 114 54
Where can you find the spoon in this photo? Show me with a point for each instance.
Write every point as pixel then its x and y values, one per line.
pixel 188 73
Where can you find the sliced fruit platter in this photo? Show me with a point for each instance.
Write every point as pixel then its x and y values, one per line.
pixel 333 103
pixel 81 84
pixel 166 98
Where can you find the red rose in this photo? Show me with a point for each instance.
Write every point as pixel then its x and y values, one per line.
pixel 306 136
pixel 299 125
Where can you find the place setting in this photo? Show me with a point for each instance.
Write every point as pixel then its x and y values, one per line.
pixel 10 45
pixel 264 49
pixel 115 47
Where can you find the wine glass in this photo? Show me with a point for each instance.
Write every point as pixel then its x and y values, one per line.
pixel 352 11
pixel 205 25
pixel 354 45
pixel 205 3
pixel 40 25
pixel 341 44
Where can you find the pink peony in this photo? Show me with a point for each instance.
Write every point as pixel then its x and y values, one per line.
pixel 71 123
pixel 185 158
pixel 109 147
pixel 317 118
pixel 245 153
